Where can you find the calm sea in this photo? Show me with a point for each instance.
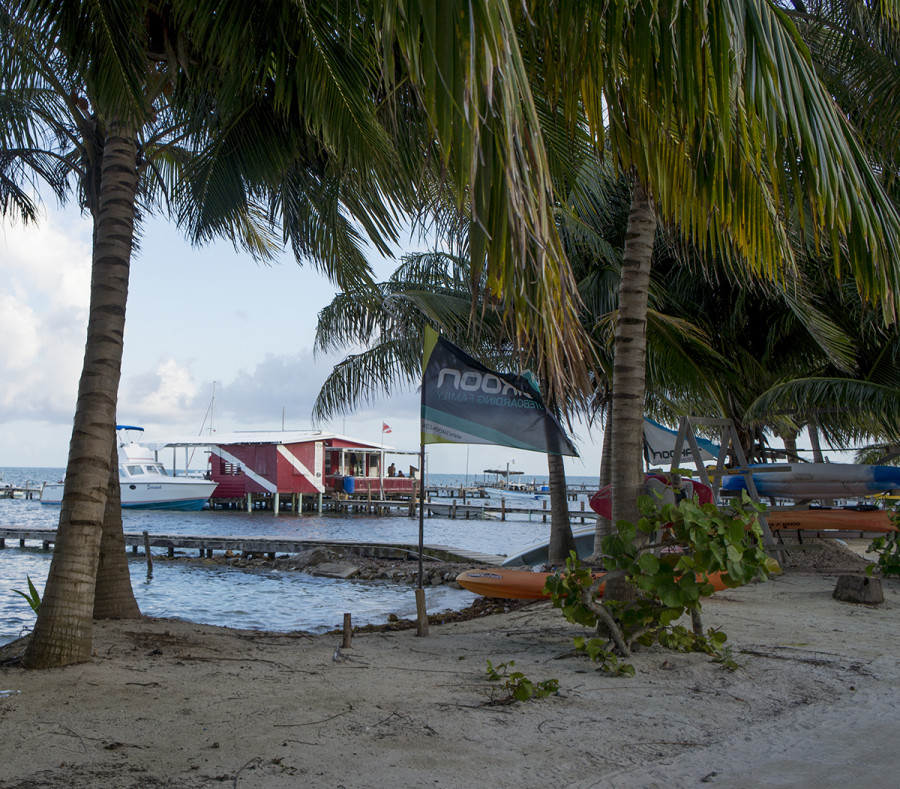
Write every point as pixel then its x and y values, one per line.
pixel 261 599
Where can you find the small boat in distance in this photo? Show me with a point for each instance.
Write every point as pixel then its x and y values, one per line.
pixel 519 493
pixel 144 482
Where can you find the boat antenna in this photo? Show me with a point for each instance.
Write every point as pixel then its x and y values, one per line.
pixel 210 411
pixel 212 408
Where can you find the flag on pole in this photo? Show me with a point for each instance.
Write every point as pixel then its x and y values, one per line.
pixel 385 427
pixel 464 402
pixel 659 444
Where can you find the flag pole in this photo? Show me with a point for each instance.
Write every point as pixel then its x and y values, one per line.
pixel 421 611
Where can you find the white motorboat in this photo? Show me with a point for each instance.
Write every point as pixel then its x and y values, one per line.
pixel 519 494
pixel 144 482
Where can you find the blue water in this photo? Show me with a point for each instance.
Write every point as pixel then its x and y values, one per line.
pixel 260 599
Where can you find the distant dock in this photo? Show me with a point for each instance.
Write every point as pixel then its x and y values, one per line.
pixel 206 546
pixel 19 492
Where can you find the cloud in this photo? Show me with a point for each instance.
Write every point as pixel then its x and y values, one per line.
pixel 257 396
pixel 43 316
pixel 167 393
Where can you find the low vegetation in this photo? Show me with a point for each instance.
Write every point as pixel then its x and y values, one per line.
pixel 32 596
pixel 887 548
pixel 515 686
pixel 672 558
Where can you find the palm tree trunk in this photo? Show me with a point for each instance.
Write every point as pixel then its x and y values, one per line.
pixel 629 371
pixel 790 447
pixel 561 539
pixel 113 595
pixel 814 443
pixel 62 633
pixel 604 525
pixel 630 358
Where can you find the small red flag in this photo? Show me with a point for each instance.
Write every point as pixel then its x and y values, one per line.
pixel 385 427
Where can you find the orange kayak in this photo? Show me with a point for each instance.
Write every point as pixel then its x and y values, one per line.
pixel 525 585
pixel 845 520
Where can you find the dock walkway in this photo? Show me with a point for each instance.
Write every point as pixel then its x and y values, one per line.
pixel 26 491
pixel 206 545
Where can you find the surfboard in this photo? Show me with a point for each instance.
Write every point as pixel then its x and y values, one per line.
pixel 818 480
pixel 836 519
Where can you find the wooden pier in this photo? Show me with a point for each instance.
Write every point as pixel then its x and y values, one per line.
pixel 18 492
pixel 435 506
pixel 499 510
pixel 206 545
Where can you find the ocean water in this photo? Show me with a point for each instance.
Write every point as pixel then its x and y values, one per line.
pixel 260 599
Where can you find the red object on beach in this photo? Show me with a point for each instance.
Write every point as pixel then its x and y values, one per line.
pixel 601 501
pixel 525 585
pixel 824 519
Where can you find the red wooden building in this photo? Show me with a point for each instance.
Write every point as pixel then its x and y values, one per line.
pixel 298 462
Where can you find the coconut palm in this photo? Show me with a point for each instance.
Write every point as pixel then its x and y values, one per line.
pixel 714 111
pixel 856 47
pixel 134 130
pixel 40 110
pixel 432 289
pixel 717 335
pixel 848 406
pixel 245 82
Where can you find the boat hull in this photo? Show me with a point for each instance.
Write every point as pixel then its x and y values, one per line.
pixel 144 483
pixel 505 584
pixel 657 484
pixel 516 496
pixel 175 494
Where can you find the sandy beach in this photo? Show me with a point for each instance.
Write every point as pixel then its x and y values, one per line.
pixel 167 703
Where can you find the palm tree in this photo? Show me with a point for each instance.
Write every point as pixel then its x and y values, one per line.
pixel 714 111
pixel 848 406
pixel 856 47
pixel 718 335
pixel 246 83
pixel 133 112
pixel 431 289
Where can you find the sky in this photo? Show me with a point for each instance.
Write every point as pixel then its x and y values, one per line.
pixel 199 320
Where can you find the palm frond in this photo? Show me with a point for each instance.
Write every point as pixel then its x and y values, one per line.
pixel 846 411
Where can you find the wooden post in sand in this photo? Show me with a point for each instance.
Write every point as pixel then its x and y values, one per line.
pixel 421 613
pixel 348 632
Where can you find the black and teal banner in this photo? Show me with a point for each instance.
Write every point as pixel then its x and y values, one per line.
pixel 464 402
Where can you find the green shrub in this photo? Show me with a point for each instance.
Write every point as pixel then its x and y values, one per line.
pixel 672 575
pixel 888 549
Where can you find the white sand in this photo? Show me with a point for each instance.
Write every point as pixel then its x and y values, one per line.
pixel 171 704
